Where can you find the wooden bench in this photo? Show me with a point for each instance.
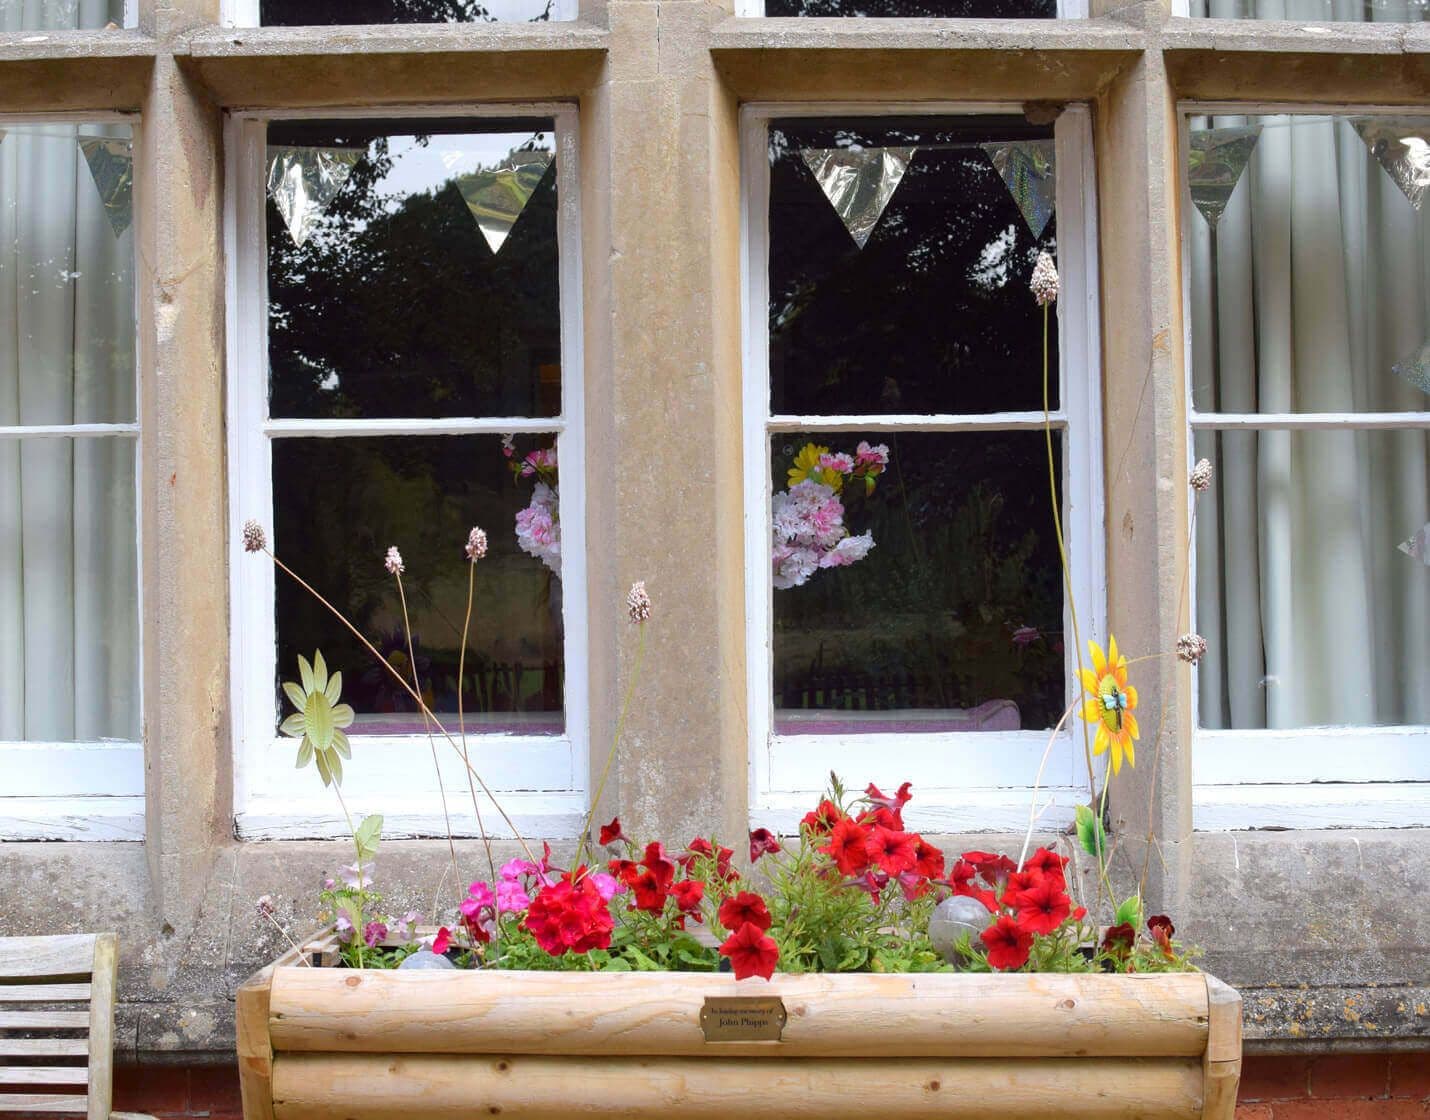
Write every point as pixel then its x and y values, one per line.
pixel 57 1025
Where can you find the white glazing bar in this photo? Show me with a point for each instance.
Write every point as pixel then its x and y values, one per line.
pixel 68 431
pixel 941 422
pixel 416 426
pixel 1307 421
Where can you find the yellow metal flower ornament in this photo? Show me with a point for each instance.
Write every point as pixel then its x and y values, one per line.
pixel 1110 704
pixel 320 719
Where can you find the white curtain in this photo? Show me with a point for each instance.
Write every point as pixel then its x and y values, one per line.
pixel 69 647
pixel 1352 11
pixel 1312 614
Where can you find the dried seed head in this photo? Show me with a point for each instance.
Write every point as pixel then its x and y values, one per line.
pixel 1191 648
pixel 1201 476
pixel 1045 279
pixel 476 545
pixel 265 905
pixel 393 563
pixel 638 602
pixel 254 539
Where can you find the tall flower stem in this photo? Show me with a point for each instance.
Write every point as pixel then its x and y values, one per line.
pixel 402 681
pixel 462 722
pixel 426 723
pixel 583 846
pixel 357 848
pixel 1047 753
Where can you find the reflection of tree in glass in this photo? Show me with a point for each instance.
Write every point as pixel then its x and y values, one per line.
pixel 932 314
pixel 280 13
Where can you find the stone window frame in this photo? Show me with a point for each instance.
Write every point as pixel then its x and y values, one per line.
pixel 540 780
pixel 1334 776
pixel 78 790
pixel 787 773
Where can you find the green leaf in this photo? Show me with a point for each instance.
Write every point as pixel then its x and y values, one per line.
pixel 305 671
pixel 1090 833
pixel 343 714
pixel 323 772
pixel 335 764
pixel 341 745
pixel 295 726
pixel 1130 913
pixel 318 716
pixel 367 836
pixel 320 673
pixel 305 754
pixel 616 964
pixel 296 696
pixel 335 688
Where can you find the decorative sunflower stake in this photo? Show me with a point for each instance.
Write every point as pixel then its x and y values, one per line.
pixel 1111 704
pixel 320 720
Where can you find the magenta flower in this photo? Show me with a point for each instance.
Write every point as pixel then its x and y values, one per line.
pixel 374 933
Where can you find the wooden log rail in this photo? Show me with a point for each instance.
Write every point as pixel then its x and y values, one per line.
pixel 346 1044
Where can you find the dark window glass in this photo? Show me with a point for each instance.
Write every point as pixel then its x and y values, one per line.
pixel 297 13
pixel 952 620
pixel 399 301
pixel 340 503
pixel 992 9
pixel 933 313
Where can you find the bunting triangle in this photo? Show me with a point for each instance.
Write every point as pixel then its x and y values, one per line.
pixel 496 196
pixel 1415 369
pixel 1418 546
pixel 1215 161
pixel 1029 170
pixel 304 181
pixel 859 182
pixel 1401 145
pixel 111 166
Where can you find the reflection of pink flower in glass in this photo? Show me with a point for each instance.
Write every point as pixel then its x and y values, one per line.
pixel 538 528
pixel 837 461
pixel 866 456
pixel 1025 636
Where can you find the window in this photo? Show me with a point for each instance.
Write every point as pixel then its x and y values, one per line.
pixel 920 632
pixel 310 13
pixel 1310 312
pixel 945 9
pixel 70 723
pixel 68 15
pixel 1349 11
pixel 406 340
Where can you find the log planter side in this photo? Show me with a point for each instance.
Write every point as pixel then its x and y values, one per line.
pixel 322 1043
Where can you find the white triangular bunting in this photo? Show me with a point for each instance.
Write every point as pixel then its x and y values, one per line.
pixel 859 182
pixel 1401 145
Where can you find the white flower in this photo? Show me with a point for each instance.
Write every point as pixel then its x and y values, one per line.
pixel 476 545
pixel 638 603
pixel 393 563
pixel 1045 279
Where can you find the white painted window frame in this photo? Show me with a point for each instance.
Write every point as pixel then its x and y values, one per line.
pixel 539 780
pixel 244 13
pixel 979 781
pixel 1316 777
pixel 755 9
pixel 82 790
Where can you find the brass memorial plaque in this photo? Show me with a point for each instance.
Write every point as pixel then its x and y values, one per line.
pixel 743 1018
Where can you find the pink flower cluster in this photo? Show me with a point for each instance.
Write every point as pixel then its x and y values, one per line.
pixel 809 533
pixel 538 527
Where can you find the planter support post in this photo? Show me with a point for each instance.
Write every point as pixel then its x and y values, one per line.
pixel 1222 1064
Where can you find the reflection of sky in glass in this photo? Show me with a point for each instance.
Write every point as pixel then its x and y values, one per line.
pixel 427 163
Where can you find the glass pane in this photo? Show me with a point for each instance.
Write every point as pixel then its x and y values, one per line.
pixel 281 13
pixel 60 15
pixel 1313 590
pixel 67 311
pixel 1312 291
pixel 339 505
pixel 69 591
pixel 1350 11
pixel 933 313
pixel 1003 9
pixel 426 280
pixel 941 610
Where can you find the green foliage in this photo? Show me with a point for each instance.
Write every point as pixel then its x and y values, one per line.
pixel 1130 913
pixel 366 837
pixel 1091 834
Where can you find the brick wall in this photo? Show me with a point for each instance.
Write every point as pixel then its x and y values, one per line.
pixel 1342 1087
pixel 1335 1087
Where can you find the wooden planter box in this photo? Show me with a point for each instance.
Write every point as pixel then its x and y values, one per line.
pixel 346 1044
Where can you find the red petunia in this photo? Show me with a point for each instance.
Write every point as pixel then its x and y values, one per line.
pixel 570 916
pixel 1048 862
pixel 745 908
pixel 961 880
pixel 1007 944
pixel 626 871
pixel 896 803
pixel 752 952
pixel 1043 907
pixel 763 842
pixel 823 818
pixel 930 860
pixel 611 833
pixel 991 865
pixel 913 885
pixel 892 851
pixel 688 894
pixel 648 892
pixel 1019 882
pixel 442 942
pixel 658 864
pixel 873 882
pixel 849 847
